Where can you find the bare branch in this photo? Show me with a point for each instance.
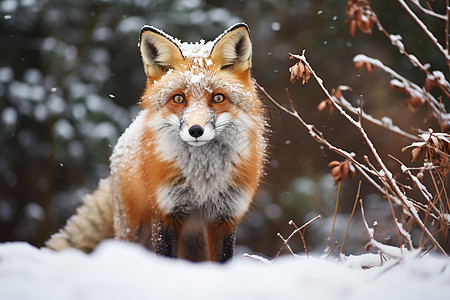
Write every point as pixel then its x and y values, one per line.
pixel 428 11
pixel 425 29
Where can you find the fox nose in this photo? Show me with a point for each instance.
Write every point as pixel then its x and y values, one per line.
pixel 196 131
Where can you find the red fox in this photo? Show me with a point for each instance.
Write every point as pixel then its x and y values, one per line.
pixel 185 171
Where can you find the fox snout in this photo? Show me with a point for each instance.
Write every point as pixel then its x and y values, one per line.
pixel 197 135
pixel 196 131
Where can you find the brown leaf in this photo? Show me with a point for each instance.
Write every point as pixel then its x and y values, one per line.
pixel 445 125
pixel 415 153
pixel 369 68
pixel 322 105
pixel 420 176
pixel 353 27
pixel 429 84
pixel 360 16
pixel 345 169
pixel 399 87
pixel 325 104
pixel 337 93
pixel 300 71
pixel 294 73
pixel 334 163
pixel 341 170
pixel 414 103
pixel 359 65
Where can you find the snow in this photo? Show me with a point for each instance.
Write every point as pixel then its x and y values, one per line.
pixel 447 217
pixel 396 41
pixel 34 211
pixel 440 77
pixel 275 26
pixel 9 6
pixel 6 74
pixel 196 78
pixel 9 116
pixel 125 271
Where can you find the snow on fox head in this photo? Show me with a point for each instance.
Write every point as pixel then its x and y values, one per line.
pixel 197 90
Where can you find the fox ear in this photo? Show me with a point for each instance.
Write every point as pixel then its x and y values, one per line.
pixel 232 50
pixel 159 52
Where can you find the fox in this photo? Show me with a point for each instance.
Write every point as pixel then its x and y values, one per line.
pixel 186 170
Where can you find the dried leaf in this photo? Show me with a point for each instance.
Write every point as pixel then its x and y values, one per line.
pixel 353 27
pixel 445 125
pixel 369 68
pixel 415 153
pixel 294 73
pixel 360 16
pixel 337 93
pixel 420 176
pixel 359 65
pixel 322 105
pixel 429 84
pixel 334 163
pixel 300 71
pixel 326 104
pixel 414 103
pixel 341 170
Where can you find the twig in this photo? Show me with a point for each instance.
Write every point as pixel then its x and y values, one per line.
pixel 396 41
pixel 413 89
pixel 428 11
pixel 286 241
pixel 347 105
pixel 335 214
pixel 291 222
pixel 285 245
pixel 332 249
pixel 350 221
pixel 447 24
pixel 425 29
pixel 395 221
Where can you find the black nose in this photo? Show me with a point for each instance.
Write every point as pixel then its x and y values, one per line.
pixel 196 131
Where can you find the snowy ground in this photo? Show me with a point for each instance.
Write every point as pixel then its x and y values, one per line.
pixel 124 271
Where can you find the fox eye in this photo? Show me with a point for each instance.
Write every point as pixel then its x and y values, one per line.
pixel 178 99
pixel 218 98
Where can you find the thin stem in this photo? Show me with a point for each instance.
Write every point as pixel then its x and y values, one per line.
pixel 429 11
pixel 335 214
pixel 425 29
pixel 351 217
pixel 447 18
pixel 301 236
pixel 413 88
pixel 395 221
pixel 285 241
pixel 347 105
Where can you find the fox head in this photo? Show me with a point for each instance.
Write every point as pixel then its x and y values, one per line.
pixel 197 92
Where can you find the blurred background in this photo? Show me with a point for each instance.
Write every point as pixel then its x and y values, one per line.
pixel 71 76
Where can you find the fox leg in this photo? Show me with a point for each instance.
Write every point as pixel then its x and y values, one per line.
pixel 221 239
pixel 165 234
